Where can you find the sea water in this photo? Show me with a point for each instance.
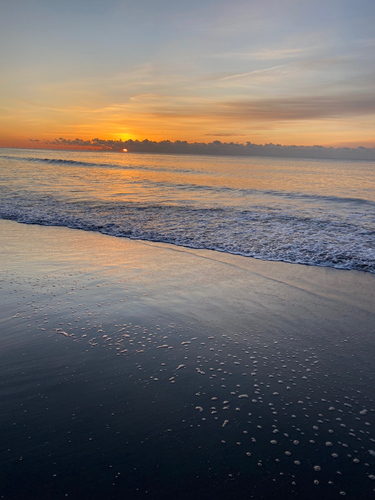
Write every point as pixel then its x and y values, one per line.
pixel 314 212
pixel 117 383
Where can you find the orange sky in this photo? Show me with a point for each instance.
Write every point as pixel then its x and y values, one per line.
pixel 280 72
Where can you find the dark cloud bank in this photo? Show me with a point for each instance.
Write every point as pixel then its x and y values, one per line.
pixel 220 148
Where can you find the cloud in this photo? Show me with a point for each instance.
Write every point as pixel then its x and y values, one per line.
pixel 221 148
pixel 367 43
pixel 34 140
pixel 268 54
pixel 223 134
pixel 253 73
pixel 264 54
pixel 271 110
pixel 300 107
pixel 70 142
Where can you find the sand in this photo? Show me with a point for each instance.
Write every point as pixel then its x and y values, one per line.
pixel 180 278
pixel 154 332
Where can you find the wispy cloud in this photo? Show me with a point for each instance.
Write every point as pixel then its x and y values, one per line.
pixel 224 134
pixel 368 42
pixel 277 109
pixel 264 54
pixel 254 73
pixel 300 107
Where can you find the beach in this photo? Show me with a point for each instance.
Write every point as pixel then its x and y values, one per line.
pixel 145 370
pixel 187 250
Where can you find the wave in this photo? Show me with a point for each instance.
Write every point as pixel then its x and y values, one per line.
pixel 260 233
pixel 235 192
pixel 243 192
pixel 62 161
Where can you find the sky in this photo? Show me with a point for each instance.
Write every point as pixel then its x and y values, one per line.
pixel 272 71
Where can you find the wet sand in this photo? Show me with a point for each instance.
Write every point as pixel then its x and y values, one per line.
pixel 143 370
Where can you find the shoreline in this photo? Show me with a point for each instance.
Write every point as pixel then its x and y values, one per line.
pixel 288 273
pixel 189 249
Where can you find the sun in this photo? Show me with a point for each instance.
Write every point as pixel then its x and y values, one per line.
pixel 125 150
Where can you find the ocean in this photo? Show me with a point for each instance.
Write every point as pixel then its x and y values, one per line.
pixel 136 363
pixel 313 212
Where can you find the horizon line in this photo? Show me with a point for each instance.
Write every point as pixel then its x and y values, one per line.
pixel 214 148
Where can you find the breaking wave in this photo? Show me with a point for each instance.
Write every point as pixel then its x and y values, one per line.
pixel 261 233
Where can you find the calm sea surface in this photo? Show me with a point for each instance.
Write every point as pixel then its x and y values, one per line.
pixel 301 211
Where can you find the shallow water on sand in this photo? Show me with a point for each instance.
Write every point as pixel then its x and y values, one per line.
pixel 113 388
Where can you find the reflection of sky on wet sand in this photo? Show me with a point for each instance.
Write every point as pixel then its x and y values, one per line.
pixel 120 380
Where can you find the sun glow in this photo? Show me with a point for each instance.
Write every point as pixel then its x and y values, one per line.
pixel 125 150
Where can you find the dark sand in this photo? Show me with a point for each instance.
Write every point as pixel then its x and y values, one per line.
pixel 121 361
